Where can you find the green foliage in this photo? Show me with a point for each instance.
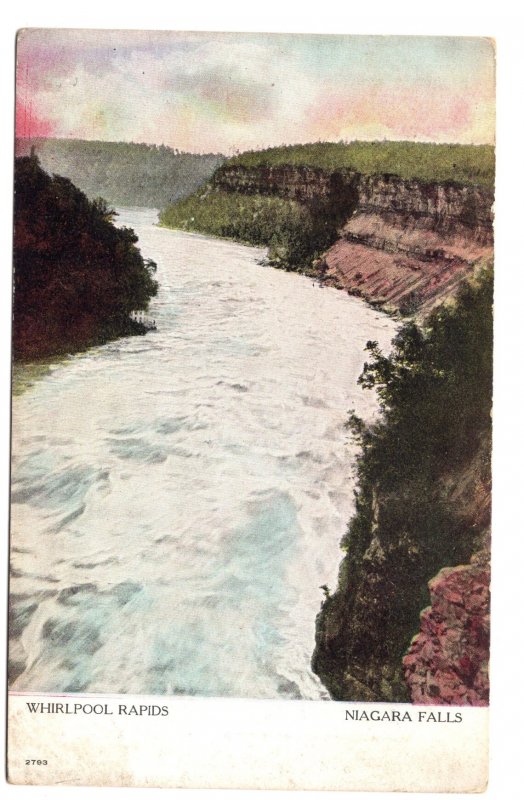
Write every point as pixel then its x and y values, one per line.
pixel 434 390
pixel 423 466
pixel 293 232
pixel 464 164
pixel 125 173
pixel 77 277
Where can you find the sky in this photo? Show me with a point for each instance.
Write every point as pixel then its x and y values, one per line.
pixel 212 92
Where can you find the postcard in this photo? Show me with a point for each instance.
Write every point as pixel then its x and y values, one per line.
pixel 251 411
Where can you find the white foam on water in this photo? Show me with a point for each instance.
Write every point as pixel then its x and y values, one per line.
pixel 179 498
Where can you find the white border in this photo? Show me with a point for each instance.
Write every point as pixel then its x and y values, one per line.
pixel 381 18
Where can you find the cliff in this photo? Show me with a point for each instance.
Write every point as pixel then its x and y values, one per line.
pixel 422 517
pixel 409 619
pixel 401 244
pixel 447 663
pixel 373 641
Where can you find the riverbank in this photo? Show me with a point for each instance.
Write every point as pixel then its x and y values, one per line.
pixel 398 224
pixel 38 340
pixel 409 243
pixel 77 277
pixel 422 515
pixel 211 466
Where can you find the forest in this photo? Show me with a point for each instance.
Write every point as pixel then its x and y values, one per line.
pixel 293 232
pixel 422 161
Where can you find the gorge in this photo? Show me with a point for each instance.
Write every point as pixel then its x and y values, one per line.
pixel 403 245
pixel 422 249
pixel 409 617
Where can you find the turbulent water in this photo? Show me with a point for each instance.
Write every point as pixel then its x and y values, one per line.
pixel 179 498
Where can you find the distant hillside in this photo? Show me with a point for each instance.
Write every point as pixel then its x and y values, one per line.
pixel 123 173
pixel 464 164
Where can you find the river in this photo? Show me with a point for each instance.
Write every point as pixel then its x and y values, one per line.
pixel 178 498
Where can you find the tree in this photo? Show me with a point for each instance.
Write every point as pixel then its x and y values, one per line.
pixel 76 276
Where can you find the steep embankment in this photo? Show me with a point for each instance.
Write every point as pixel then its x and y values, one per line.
pixel 77 277
pixel 409 244
pixel 402 244
pixel 422 515
pixel 409 619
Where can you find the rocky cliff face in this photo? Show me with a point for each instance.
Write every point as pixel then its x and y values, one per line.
pixel 403 245
pixel 446 205
pixel 373 642
pixel 304 184
pixel 447 662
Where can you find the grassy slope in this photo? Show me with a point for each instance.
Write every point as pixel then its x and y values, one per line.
pixel 467 164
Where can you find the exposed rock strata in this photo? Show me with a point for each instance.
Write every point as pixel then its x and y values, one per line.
pixel 405 246
pixel 303 184
pixel 403 264
pixel 447 204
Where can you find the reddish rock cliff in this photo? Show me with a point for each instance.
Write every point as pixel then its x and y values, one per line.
pixel 447 662
pixel 409 245
pixel 405 245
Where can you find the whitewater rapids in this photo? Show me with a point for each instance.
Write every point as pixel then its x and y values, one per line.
pixel 179 498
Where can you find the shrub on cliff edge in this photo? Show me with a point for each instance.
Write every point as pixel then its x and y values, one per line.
pixel 434 390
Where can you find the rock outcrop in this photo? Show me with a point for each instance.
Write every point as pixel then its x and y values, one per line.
pixel 447 662
pixel 409 245
pixel 445 204
pixel 404 245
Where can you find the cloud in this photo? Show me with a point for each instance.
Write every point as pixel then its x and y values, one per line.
pixel 397 112
pixel 199 91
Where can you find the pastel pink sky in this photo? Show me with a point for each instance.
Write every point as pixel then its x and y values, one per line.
pixel 206 92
